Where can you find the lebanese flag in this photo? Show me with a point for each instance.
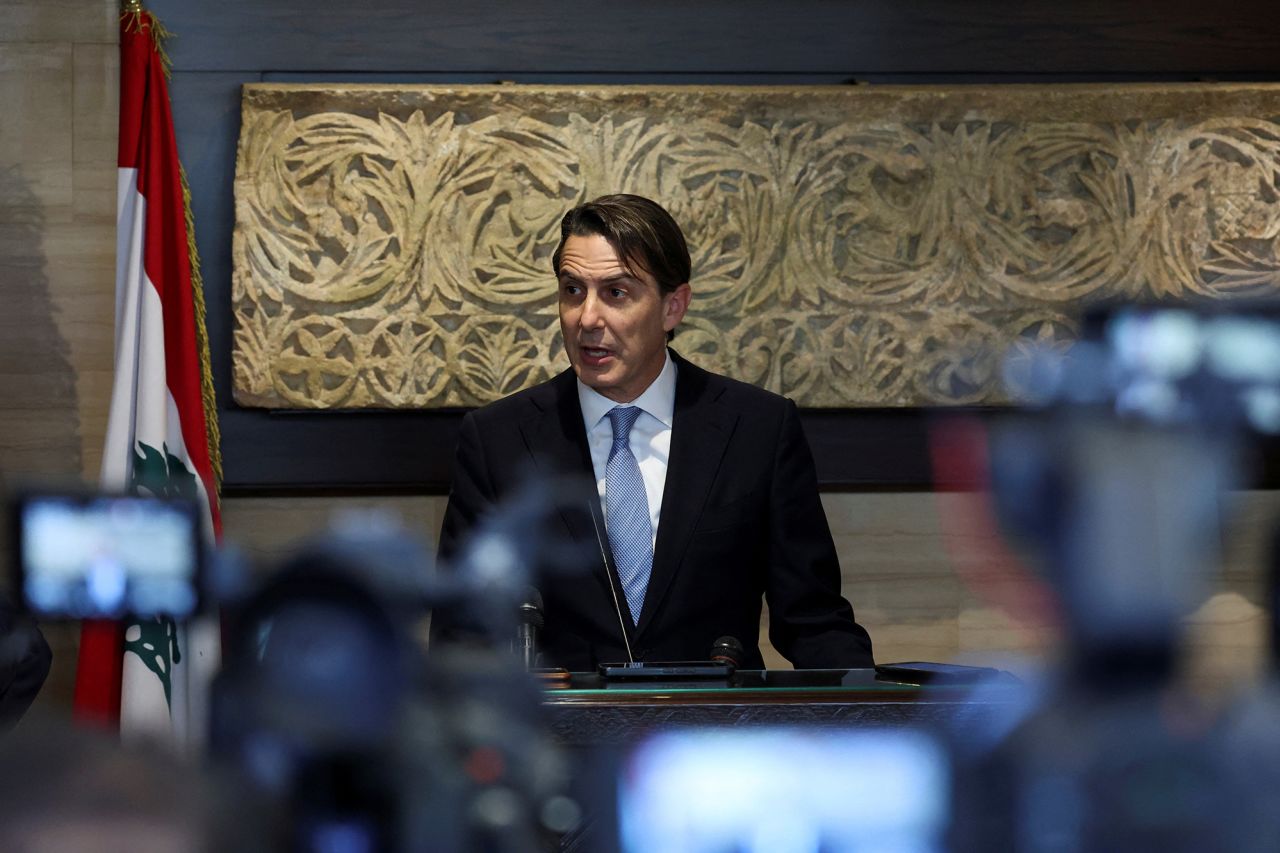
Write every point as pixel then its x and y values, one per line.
pixel 152 678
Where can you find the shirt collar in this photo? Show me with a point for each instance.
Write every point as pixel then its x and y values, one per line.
pixel 659 399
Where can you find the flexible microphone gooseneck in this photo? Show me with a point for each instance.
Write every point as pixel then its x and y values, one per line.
pixel 608 571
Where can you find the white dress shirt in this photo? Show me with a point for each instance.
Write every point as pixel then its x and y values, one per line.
pixel 650 435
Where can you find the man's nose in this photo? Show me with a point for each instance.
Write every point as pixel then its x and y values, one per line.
pixel 591 318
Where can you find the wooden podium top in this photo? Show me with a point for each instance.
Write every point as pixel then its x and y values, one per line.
pixel 591 711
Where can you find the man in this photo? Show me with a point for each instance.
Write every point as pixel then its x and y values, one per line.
pixel 25 659
pixel 708 496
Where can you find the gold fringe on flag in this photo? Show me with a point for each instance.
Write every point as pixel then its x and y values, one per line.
pixel 136 19
pixel 212 433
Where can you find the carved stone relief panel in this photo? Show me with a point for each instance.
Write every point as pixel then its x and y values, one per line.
pixel 852 246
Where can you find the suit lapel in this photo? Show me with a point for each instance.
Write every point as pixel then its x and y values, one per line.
pixel 556 438
pixel 700 433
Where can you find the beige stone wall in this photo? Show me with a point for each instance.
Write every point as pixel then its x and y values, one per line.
pixel 58 106
pixel 927 581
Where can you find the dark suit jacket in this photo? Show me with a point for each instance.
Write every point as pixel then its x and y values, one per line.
pixel 740 519
pixel 25 659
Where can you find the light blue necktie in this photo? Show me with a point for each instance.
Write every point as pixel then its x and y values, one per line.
pixel 627 512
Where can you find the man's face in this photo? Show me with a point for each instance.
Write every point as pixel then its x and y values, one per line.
pixel 614 320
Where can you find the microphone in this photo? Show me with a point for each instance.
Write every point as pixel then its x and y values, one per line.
pixel 728 651
pixel 530 622
pixel 593 507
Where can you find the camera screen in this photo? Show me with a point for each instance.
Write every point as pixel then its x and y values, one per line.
pixel 783 790
pixel 107 556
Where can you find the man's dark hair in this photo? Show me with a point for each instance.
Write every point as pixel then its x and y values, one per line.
pixel 639 230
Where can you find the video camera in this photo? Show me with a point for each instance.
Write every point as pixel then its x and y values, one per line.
pixel 327 703
pixel 1113 472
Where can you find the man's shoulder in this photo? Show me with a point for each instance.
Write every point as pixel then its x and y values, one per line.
pixel 729 391
pixel 538 398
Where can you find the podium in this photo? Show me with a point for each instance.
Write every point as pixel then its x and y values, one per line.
pixel 588 711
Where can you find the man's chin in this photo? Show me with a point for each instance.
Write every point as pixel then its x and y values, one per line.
pixel 597 380
pixel 594 380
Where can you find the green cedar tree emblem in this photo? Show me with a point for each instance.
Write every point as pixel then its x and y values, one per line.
pixel 159 473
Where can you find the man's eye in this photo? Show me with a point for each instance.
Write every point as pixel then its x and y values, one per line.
pixel 617 292
pixel 570 289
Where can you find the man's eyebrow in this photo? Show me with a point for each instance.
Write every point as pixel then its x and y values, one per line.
pixel 620 276
pixel 609 279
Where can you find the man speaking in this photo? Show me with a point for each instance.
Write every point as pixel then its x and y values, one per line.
pixel 708 495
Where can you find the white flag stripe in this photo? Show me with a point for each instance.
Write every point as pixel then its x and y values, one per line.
pixel 143 411
pixel 131 214
pixel 201 641
pixel 144 713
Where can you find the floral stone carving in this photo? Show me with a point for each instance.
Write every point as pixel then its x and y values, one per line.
pixel 852 246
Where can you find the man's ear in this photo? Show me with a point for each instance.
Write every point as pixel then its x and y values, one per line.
pixel 675 304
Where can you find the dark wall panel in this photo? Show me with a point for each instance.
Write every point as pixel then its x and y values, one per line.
pixel 688 36
pixel 219 46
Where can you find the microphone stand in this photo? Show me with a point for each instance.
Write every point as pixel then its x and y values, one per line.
pixel 608 571
pixel 531 621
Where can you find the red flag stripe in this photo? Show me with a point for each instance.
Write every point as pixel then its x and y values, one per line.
pixel 166 261
pixel 136 51
pixel 99 667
